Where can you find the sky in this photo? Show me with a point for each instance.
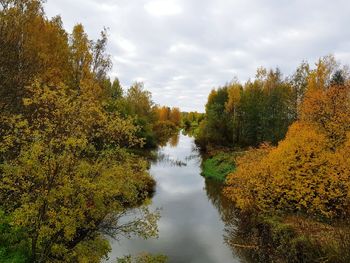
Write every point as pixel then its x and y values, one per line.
pixel 181 49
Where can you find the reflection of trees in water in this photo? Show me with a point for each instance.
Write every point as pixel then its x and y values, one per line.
pixel 238 232
pixel 188 132
pixel 222 204
pixel 166 159
pixel 174 140
pixel 194 156
pixel 171 139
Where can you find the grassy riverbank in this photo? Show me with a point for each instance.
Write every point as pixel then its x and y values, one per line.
pixel 218 165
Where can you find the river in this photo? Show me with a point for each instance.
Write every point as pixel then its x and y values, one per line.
pixel 190 228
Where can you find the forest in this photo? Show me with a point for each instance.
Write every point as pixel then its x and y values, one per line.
pixel 70 138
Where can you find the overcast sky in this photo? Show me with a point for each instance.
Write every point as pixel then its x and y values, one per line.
pixel 181 49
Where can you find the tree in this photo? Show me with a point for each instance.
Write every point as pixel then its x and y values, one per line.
pixel 217 119
pixel 232 106
pixel 30 46
pixel 81 57
pixel 101 62
pixel 163 113
pixel 139 100
pixel 116 89
pixel 329 108
pixel 67 185
pixel 175 116
pixel 299 81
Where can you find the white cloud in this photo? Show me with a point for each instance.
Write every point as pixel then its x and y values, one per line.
pixel 163 8
pixel 187 47
pixel 125 45
pixel 182 47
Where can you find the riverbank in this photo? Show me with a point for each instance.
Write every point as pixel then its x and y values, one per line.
pixel 218 166
pixel 218 162
pixel 289 238
pixel 276 236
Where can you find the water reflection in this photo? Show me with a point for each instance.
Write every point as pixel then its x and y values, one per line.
pixel 166 158
pixel 174 140
pixel 190 228
pixel 237 230
pixel 171 139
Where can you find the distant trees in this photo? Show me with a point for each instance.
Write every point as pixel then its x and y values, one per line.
pixel 247 115
pixel 191 121
pixel 169 114
pixel 168 121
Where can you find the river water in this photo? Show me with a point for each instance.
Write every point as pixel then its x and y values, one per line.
pixel 190 228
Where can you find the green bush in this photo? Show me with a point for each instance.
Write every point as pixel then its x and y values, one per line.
pixel 14 247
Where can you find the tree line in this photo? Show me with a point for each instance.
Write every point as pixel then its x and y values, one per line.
pixel 240 115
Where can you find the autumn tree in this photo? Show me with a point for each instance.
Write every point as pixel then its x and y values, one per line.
pixel 163 113
pixel 299 82
pixel 175 116
pixel 232 106
pixel 30 46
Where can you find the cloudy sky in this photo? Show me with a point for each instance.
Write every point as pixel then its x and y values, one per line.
pixel 181 49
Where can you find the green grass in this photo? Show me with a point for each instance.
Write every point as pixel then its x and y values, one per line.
pixel 218 166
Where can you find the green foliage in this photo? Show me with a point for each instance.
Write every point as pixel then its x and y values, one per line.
pixel 239 116
pixel 191 122
pixel 218 166
pixel 14 247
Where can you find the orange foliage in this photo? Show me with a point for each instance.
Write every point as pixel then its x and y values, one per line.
pixel 302 174
pixel 166 114
pixel 330 110
pixel 309 171
pixel 175 116
pixel 163 113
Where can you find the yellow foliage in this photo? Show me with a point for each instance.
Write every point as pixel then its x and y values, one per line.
pixel 234 97
pixel 65 169
pixel 309 171
pixel 248 180
pixel 329 109
pixel 168 114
